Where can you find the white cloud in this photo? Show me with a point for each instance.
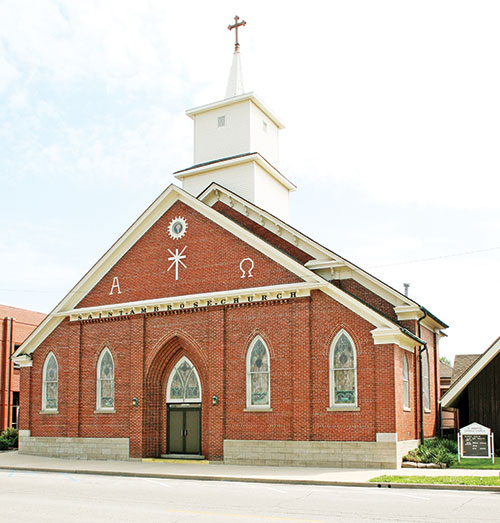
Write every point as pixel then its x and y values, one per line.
pixel 390 104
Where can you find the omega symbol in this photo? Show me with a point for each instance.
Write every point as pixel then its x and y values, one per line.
pixel 246 267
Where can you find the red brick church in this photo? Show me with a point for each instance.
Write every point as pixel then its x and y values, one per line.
pixel 214 329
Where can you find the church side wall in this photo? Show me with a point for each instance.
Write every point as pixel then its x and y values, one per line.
pixel 431 417
pixel 145 348
pixel 375 411
pixel 406 417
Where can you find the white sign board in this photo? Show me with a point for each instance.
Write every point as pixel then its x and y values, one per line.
pixel 475 441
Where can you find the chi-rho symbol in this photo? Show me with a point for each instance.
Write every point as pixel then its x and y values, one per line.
pixel 176 259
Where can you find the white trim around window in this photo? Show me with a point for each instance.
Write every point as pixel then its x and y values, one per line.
pixel 406 383
pixel 258 376
pixel 427 383
pixel 105 382
pixel 50 385
pixel 343 373
pixel 184 384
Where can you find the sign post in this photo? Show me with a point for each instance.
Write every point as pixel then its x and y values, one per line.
pixel 476 441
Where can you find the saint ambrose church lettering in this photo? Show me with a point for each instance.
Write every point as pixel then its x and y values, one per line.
pixel 212 328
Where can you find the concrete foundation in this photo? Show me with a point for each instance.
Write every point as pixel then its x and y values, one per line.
pixel 76 448
pixel 339 454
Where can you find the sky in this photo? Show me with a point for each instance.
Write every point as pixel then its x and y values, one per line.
pixel 392 136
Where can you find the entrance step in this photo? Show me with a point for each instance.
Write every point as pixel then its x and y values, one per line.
pixel 178 458
pixel 191 457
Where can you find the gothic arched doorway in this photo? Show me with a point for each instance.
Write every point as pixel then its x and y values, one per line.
pixel 183 397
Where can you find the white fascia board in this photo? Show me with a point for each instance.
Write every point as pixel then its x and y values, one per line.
pixel 414 312
pixel 315 265
pixel 237 99
pixel 408 312
pixel 256 157
pixel 384 336
pixel 171 195
pixel 458 387
pixel 23 361
pixel 301 290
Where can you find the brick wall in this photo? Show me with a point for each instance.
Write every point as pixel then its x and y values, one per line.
pixel 145 348
pixel 213 257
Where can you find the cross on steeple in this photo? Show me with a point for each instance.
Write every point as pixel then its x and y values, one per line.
pixel 235 26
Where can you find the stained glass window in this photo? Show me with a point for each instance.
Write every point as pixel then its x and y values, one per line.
pixel 406 383
pixel 184 384
pixel 50 383
pixel 343 372
pixel 105 381
pixel 258 374
pixel 427 382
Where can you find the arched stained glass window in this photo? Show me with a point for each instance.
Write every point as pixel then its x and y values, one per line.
pixel 184 383
pixel 427 382
pixel 258 370
pixel 105 381
pixel 343 390
pixel 406 383
pixel 50 383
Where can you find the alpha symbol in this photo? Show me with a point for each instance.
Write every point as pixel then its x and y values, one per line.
pixel 176 259
pixel 116 285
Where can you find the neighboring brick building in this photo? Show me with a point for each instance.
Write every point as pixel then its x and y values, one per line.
pixel 15 325
pixel 213 328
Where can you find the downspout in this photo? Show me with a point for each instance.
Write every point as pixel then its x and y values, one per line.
pixel 9 379
pixel 420 350
pixel 437 384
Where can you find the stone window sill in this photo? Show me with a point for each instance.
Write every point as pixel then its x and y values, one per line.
pixel 256 409
pixel 104 411
pixel 407 409
pixel 427 411
pixel 343 409
pixel 49 412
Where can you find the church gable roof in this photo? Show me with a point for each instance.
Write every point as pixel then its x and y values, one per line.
pixel 476 363
pixel 313 255
pixel 289 269
pixel 132 235
pixel 202 257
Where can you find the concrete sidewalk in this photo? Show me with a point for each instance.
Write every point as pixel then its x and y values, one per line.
pixel 12 460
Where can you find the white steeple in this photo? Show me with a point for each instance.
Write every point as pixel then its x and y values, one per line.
pixel 236 146
pixel 235 80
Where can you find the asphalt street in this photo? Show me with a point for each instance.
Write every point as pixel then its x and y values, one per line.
pixel 39 497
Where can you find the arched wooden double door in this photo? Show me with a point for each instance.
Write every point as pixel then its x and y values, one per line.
pixel 184 409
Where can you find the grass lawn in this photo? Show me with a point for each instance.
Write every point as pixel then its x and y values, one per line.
pixel 440 480
pixel 472 463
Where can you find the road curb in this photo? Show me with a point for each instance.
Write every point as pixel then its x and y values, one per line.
pixel 247 479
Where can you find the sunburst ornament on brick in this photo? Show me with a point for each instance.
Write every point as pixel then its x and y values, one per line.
pixel 177 228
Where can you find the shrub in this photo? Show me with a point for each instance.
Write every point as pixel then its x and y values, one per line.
pixel 10 435
pixel 4 444
pixel 439 451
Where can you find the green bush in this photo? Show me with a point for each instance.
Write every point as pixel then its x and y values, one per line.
pixel 4 444
pixel 10 435
pixel 439 451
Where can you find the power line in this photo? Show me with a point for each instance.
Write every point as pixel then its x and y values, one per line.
pixel 435 258
pixel 408 262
